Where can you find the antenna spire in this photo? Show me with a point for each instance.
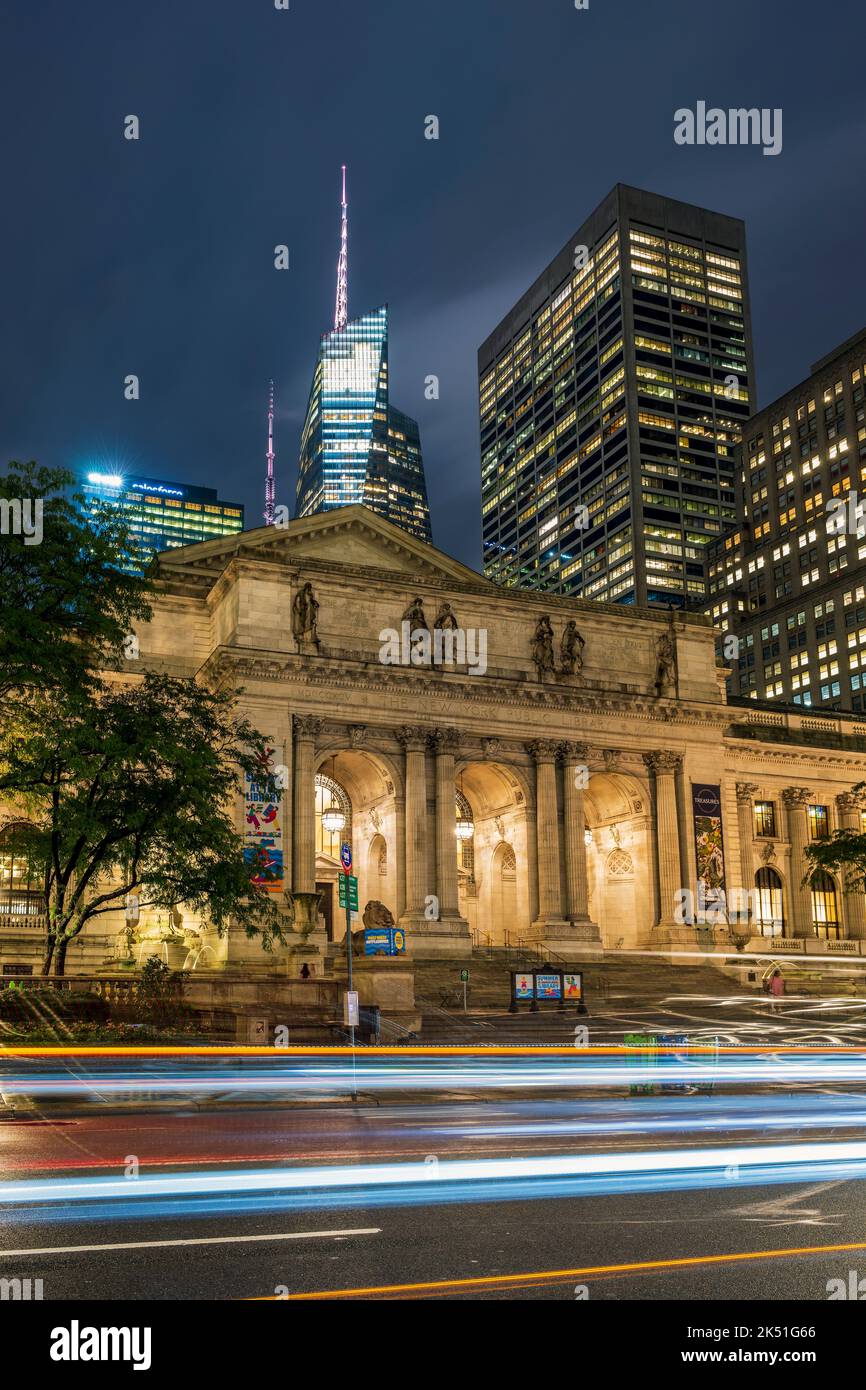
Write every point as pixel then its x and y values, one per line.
pixel 269 482
pixel 341 315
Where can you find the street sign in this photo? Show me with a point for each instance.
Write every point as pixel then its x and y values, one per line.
pixel 351 1011
pixel 346 857
pixel 464 976
pixel 348 883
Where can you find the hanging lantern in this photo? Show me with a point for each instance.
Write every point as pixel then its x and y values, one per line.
pixel 587 837
pixel 464 828
pixel 334 818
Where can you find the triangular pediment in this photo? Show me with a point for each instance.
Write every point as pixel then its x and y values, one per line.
pixel 347 537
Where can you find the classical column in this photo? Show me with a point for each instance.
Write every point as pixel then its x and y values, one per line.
pixel 547 831
pixel 414 743
pixel 854 902
pixel 664 766
pixel 574 779
pixel 444 743
pixel 796 800
pixel 306 731
pixel 746 827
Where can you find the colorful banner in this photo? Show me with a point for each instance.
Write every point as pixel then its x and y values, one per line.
pixel 709 847
pixel 263 823
pixel 573 986
pixel 524 986
pixel 548 986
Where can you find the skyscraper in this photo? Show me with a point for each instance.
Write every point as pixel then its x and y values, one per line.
pixel 162 515
pixel 789 581
pixel 611 399
pixel 356 446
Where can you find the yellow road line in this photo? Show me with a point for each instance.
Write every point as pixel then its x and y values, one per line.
pixel 495 1281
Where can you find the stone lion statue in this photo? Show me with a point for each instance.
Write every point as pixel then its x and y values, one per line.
pixel 376 914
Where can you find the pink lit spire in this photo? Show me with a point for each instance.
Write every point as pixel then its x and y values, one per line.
pixel 341 316
pixel 269 483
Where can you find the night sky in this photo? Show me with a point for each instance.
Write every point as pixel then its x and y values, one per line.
pixel 156 257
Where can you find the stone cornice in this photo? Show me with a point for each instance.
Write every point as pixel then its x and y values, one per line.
pixel 516 691
pixel 203 579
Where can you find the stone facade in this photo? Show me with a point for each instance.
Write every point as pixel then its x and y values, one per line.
pixel 578 782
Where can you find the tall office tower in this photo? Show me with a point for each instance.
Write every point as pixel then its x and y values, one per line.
pixel 162 515
pixel 789 582
pixel 611 399
pixel 355 446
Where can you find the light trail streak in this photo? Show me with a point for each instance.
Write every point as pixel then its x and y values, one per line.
pixel 479 1179
pixel 777 1067
pixel 561 1276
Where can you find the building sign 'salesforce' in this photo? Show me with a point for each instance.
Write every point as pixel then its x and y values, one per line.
pixel 709 846
pixel 263 823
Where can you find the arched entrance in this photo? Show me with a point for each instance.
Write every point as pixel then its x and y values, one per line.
pixel 364 785
pixel 503 886
pixel 494 884
pixel 618 858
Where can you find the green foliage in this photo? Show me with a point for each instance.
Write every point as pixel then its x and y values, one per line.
pixel 66 603
pixel 51 1007
pixel 133 792
pixel 159 999
pixel 126 781
pixel 843 853
pixel 91 1034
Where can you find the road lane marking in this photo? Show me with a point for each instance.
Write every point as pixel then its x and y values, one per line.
pixel 494 1281
pixel 204 1240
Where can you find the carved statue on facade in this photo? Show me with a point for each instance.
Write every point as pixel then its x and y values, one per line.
pixel 414 615
pixel 571 649
pixel 542 646
pixel 666 662
pixel 446 618
pixel 305 616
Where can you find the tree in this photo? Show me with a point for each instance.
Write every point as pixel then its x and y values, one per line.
pixel 844 853
pixel 131 791
pixel 68 600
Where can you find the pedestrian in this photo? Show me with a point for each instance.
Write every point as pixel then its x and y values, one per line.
pixel 777 990
pixel 305 971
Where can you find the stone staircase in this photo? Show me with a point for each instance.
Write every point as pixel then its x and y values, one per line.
pixel 617 982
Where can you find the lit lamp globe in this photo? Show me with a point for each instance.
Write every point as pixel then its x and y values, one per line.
pixel 334 819
pixel 464 829
pixel 587 838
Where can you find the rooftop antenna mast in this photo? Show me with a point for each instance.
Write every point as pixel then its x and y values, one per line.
pixel 269 482
pixel 341 315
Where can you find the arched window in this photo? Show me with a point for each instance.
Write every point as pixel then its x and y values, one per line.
pixel 329 793
pixel 465 847
pixel 825 906
pixel 20 878
pixel 769 913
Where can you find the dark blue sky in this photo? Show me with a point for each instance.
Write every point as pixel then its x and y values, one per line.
pixel 156 257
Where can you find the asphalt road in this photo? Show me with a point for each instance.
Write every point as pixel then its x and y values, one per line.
pixel 437 1239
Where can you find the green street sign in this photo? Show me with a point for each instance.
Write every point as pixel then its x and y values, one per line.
pixel 352 889
pixel 464 976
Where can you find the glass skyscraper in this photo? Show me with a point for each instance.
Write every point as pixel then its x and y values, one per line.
pixel 611 401
pixel 162 515
pixel 355 446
